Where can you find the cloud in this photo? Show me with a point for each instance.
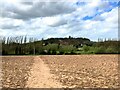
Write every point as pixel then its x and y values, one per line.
pixel 28 10
pixel 59 19
pixel 8 23
pixel 27 3
pixel 54 21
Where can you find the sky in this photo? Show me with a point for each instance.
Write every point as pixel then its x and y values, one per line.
pixel 91 19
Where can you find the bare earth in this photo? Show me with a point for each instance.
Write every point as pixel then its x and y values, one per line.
pixel 84 71
pixel 60 71
pixel 41 76
pixel 15 71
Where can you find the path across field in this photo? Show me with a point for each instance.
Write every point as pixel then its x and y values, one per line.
pixel 40 76
pixel 52 71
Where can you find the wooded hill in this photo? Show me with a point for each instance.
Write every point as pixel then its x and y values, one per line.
pixel 57 46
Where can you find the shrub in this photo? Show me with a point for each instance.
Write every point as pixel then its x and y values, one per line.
pixel 111 50
pixel 67 49
pixel 100 50
pixel 86 48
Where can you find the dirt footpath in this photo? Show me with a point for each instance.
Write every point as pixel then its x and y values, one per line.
pixel 60 71
pixel 41 77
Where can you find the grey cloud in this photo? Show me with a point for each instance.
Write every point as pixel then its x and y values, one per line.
pixel 75 26
pixel 59 23
pixel 39 9
pixel 27 3
pixel 9 27
pixel 103 5
pixel 98 18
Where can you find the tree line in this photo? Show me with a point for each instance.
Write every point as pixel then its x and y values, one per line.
pixel 22 45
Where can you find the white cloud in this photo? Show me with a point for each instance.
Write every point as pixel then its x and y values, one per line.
pixel 36 9
pixel 58 19
pixel 8 23
pixel 111 16
pixel 54 21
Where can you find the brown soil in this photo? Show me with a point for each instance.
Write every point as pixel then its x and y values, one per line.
pixel 56 71
pixel 41 77
pixel 80 71
pixel 15 70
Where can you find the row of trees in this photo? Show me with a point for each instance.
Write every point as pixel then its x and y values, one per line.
pixel 101 49
pixel 15 45
pixel 19 39
pixel 28 46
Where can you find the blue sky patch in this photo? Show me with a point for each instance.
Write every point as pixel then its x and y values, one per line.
pixel 93 19
pixel 88 17
pixel 114 4
pixel 80 3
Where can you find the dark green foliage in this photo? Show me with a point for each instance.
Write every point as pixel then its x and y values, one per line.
pixel 86 48
pixel 57 46
pixel 100 50
pixel 108 47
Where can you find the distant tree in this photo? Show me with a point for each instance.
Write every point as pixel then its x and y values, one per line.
pixel 86 48
pixel 17 51
pixel 100 50
pixel 70 37
pixel 25 39
pixel 21 41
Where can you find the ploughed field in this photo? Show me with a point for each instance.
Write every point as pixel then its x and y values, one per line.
pixel 15 71
pixel 75 71
pixel 78 71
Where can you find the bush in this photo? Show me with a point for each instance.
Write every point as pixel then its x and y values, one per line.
pixel 52 47
pixel 67 49
pixel 100 50
pixel 111 50
pixel 86 48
